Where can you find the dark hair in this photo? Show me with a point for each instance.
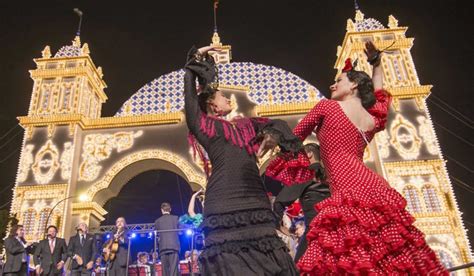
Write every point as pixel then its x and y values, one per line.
pixel 52 226
pixel 313 148
pixel 301 223
pixel 165 206
pixel 207 93
pixel 15 229
pixel 365 87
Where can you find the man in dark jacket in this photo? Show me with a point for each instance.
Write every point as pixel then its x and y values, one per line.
pixel 309 194
pixel 82 250
pixel 50 254
pixel 17 251
pixel 169 240
pixel 118 266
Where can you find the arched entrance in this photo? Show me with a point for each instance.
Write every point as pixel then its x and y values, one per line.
pixel 90 205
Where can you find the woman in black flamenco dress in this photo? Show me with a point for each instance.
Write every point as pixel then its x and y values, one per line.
pixel 238 221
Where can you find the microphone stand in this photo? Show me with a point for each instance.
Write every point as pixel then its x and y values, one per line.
pixel 192 253
pixel 51 212
pixel 128 255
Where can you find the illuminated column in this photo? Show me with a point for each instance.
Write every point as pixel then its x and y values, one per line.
pixel 67 91
pixel 407 153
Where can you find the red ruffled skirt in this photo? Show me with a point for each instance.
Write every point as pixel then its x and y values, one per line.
pixel 367 231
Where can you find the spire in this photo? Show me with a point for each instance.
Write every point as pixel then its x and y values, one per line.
pixel 77 40
pixel 222 53
pixel 356 5
pixel 216 2
pixel 216 40
pixel 360 23
pixel 79 13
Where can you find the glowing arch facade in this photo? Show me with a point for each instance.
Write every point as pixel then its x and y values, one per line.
pixel 69 150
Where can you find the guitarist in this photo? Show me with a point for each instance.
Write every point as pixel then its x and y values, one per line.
pixel 82 250
pixel 117 264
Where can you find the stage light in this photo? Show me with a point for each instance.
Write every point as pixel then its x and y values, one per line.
pixel 134 235
pixel 107 236
pixel 189 232
pixel 150 235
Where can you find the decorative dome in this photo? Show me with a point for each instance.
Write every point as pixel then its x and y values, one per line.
pixel 368 24
pixel 362 24
pixel 165 94
pixel 73 50
pixel 68 51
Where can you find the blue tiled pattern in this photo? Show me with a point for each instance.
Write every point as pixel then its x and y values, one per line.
pixel 284 86
pixel 68 51
pixel 369 24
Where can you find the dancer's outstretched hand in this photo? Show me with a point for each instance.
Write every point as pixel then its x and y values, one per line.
pixel 206 49
pixel 268 143
pixel 372 53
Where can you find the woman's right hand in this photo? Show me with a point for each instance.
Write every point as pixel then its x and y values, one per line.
pixel 205 49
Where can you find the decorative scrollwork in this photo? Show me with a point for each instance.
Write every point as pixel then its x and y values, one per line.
pixel 66 160
pixel 98 147
pixel 405 138
pixel 25 163
pixel 46 163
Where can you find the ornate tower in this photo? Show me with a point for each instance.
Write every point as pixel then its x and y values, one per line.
pixel 68 91
pixel 407 153
pixel 68 83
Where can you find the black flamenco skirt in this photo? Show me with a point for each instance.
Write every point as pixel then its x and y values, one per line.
pixel 244 243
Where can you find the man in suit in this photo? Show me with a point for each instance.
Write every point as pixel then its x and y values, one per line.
pixel 17 250
pixel 82 250
pixel 50 254
pixel 118 266
pixel 309 194
pixel 168 241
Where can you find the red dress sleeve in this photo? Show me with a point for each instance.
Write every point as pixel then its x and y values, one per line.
pixel 380 109
pixel 290 168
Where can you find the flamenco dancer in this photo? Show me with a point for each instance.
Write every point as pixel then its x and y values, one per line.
pixel 238 221
pixel 363 228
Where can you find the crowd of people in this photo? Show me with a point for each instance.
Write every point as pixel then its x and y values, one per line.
pixel 84 254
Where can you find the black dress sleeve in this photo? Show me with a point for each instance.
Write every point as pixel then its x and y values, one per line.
pixel 280 131
pixel 204 71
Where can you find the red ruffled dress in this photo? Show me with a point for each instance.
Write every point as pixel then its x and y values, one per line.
pixel 363 228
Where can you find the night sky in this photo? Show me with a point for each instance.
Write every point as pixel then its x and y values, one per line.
pixel 137 41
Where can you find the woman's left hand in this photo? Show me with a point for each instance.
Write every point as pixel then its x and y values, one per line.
pixel 371 52
pixel 268 143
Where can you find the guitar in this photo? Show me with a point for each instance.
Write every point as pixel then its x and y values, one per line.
pixel 111 247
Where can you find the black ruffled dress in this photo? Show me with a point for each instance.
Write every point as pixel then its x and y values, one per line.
pixel 238 221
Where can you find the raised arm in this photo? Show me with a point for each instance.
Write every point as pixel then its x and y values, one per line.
pixel 203 70
pixel 191 104
pixel 13 247
pixel 374 57
pixel 192 202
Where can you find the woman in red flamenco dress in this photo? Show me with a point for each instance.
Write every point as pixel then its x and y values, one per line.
pixel 363 228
